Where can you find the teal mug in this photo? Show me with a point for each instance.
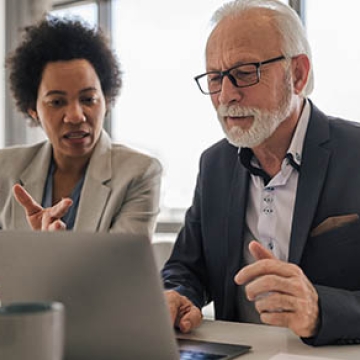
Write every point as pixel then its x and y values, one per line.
pixel 32 331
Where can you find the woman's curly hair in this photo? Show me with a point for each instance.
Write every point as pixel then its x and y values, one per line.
pixel 59 39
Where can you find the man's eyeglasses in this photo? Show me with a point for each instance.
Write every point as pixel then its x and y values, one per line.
pixel 240 76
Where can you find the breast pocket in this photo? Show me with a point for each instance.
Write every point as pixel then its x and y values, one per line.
pixel 333 258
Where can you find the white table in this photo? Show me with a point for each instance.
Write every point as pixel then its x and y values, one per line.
pixel 267 341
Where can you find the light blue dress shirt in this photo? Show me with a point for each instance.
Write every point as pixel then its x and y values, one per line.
pixel 70 216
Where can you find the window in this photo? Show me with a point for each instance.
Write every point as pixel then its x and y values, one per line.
pixel 87 10
pixel 161 46
pixel 336 56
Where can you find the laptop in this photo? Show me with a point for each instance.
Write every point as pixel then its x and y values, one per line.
pixel 111 289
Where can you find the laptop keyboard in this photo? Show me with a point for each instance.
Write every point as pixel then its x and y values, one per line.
pixel 198 355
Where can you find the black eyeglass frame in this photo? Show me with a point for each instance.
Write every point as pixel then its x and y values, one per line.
pixel 224 73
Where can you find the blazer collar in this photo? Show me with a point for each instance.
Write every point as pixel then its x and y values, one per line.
pixel 234 233
pixel 33 179
pixel 314 166
pixel 34 175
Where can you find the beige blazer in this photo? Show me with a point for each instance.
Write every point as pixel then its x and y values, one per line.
pixel 120 192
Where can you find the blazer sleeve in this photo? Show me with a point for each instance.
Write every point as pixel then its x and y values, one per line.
pixel 340 316
pixel 185 269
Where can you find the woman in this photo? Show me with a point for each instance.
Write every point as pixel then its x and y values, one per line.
pixel 65 77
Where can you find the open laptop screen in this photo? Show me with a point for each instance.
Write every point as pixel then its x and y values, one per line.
pixel 109 284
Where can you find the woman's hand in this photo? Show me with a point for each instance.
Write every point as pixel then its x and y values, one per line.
pixel 40 218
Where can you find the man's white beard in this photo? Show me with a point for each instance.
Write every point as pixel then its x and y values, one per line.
pixel 265 121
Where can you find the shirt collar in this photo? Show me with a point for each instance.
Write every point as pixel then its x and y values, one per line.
pixel 246 155
pixel 297 141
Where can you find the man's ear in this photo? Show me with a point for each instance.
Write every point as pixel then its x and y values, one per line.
pixel 300 70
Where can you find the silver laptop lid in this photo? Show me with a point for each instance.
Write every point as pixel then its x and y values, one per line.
pixel 109 285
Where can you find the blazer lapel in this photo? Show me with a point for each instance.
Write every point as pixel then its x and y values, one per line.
pixel 95 192
pixel 33 180
pixel 312 176
pixel 235 230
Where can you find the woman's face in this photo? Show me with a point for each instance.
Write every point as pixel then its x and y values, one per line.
pixel 71 108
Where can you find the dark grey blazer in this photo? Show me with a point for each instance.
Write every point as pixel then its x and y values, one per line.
pixel 208 250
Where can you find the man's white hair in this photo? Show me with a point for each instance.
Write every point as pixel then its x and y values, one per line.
pixel 286 21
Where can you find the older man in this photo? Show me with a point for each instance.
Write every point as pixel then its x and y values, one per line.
pixel 273 234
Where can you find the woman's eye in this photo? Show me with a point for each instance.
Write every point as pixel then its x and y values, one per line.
pixel 89 100
pixel 56 102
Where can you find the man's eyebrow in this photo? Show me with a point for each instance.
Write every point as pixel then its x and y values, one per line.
pixel 238 63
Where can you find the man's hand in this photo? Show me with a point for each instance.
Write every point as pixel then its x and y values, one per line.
pixel 184 314
pixel 38 217
pixel 283 295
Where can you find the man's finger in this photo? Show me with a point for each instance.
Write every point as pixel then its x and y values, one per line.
pixel 25 199
pixel 259 252
pixel 190 320
pixel 266 267
pixel 177 304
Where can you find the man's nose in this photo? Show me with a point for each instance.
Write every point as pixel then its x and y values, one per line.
pixel 229 92
pixel 74 114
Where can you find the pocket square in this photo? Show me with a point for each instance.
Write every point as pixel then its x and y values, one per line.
pixel 333 222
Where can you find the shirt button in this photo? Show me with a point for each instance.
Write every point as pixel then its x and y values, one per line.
pixel 271 246
pixel 268 211
pixel 268 199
